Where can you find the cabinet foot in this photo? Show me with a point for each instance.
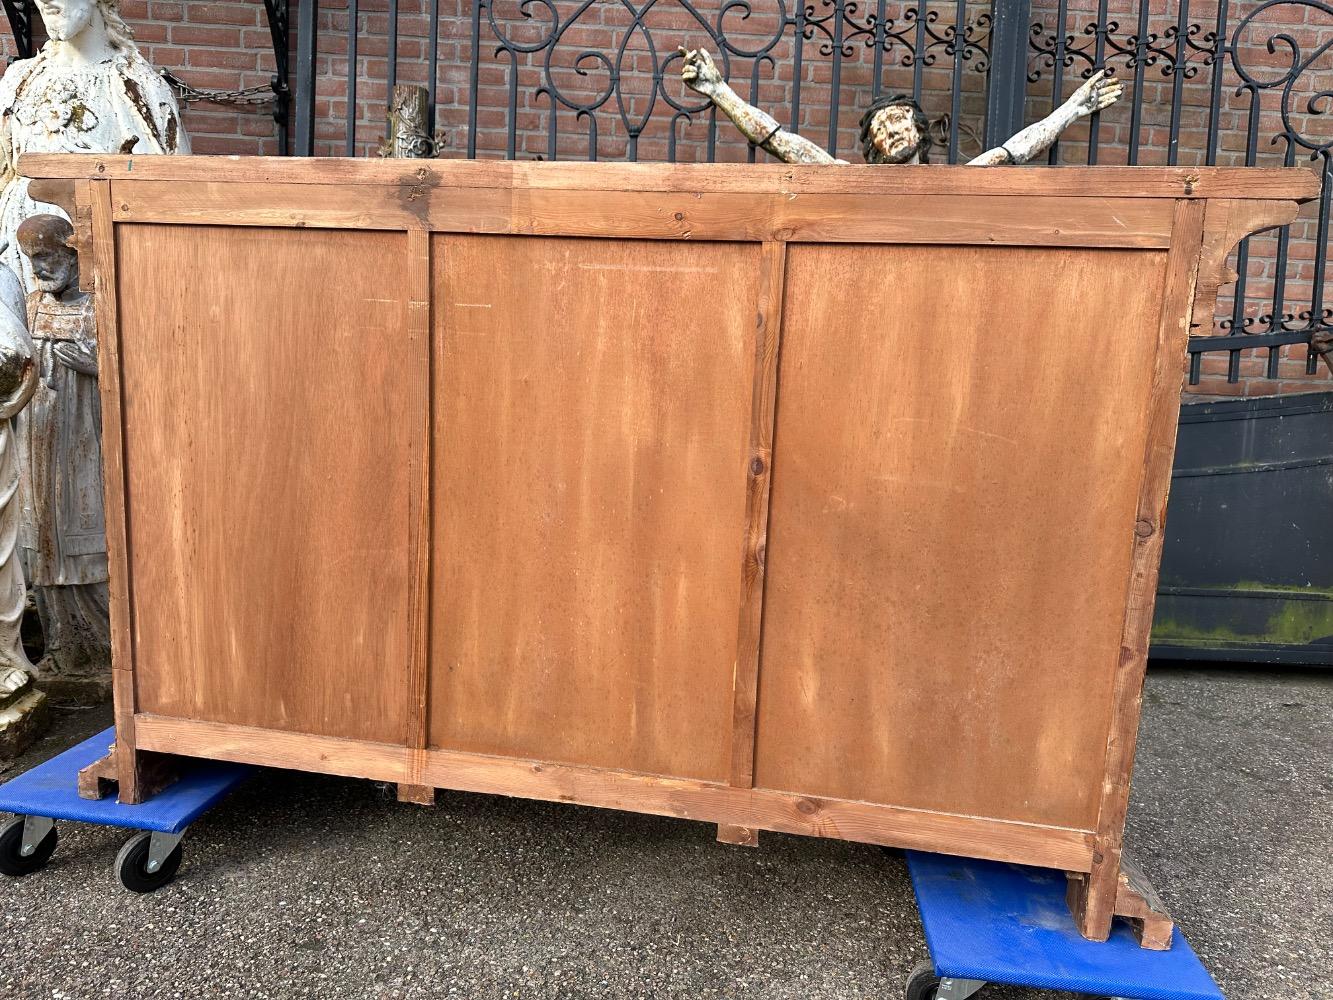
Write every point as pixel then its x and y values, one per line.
pixel 421 795
pixel 741 836
pixel 1135 900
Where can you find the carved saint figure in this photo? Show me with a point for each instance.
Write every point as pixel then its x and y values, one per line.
pixel 21 705
pixel 61 435
pixel 893 129
pixel 87 91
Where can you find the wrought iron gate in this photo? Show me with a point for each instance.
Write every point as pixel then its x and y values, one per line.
pixel 1210 82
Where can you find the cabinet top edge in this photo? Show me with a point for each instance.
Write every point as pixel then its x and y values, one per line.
pixel 1261 183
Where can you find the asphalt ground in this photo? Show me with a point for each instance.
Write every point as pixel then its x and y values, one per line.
pixel 311 886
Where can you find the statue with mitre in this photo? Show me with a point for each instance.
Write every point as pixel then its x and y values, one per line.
pixel 60 441
pixel 88 90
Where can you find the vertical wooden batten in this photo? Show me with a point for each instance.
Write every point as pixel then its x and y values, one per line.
pixel 94 206
pixel 1097 905
pixel 420 373
pixel 758 475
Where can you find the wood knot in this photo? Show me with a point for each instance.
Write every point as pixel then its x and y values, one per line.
pixel 1143 529
pixel 756 466
pixel 806 807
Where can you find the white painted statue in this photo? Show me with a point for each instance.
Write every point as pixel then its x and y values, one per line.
pixel 21 705
pixel 893 129
pixel 88 91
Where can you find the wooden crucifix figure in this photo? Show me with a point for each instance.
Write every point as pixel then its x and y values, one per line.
pixel 893 129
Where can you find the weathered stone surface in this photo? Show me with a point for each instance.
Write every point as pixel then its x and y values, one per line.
pixel 60 447
pixel 22 720
pixel 20 705
pixel 89 90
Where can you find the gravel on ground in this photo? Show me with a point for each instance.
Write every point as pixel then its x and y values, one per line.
pixel 312 886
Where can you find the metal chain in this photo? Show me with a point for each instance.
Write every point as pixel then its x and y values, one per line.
pixel 262 94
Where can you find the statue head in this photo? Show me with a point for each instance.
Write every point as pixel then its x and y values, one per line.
pixel 46 240
pixel 894 130
pixel 67 20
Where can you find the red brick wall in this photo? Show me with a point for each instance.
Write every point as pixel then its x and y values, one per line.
pixel 224 46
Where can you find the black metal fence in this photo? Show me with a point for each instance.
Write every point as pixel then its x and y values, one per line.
pixel 1209 82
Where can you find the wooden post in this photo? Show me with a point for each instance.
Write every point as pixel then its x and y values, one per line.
pixel 408 131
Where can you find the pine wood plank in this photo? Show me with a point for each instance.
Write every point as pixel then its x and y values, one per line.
pixel 763 398
pixel 709 802
pixel 419 371
pixel 1168 374
pixel 947 536
pixel 94 217
pixel 591 498
pixel 1108 182
pixel 671 215
pixel 272 475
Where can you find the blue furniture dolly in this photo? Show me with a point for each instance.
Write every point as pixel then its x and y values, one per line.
pixel 150 858
pixel 988 922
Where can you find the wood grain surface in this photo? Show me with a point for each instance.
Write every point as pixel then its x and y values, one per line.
pixel 855 217
pixel 1157 452
pixel 951 524
pixel 816 500
pixel 268 466
pixel 609 788
pixel 929 179
pixel 592 446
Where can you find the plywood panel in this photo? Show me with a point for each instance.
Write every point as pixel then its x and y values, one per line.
pixel 952 514
pixel 268 428
pixel 593 414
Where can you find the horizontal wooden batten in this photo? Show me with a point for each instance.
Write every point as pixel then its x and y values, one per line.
pixel 834 218
pixel 782 812
pixel 1078 182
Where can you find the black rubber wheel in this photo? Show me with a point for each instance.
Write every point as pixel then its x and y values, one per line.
pixel 922 983
pixel 12 861
pixel 132 865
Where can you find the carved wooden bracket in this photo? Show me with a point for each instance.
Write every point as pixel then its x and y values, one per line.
pixel 98 779
pixel 1226 222
pixel 1135 900
pixel 156 772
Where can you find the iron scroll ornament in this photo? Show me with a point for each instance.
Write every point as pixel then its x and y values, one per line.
pixel 914 39
pixel 1241 80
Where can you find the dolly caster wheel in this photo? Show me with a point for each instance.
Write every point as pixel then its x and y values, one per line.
pixel 922 983
pixel 148 861
pixel 22 855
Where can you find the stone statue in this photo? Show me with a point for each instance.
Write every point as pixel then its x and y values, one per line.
pixel 22 707
pixel 893 129
pixel 60 444
pixel 87 91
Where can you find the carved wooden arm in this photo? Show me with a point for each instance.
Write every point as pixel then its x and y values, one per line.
pixel 1100 91
pixel 701 74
